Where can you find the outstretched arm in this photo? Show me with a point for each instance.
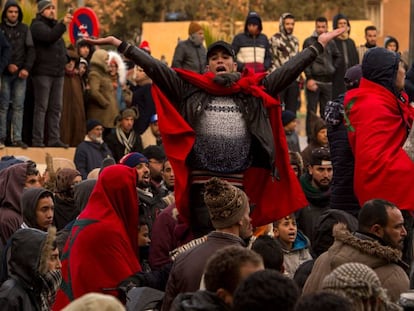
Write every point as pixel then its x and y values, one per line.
pixel 328 36
pixel 110 40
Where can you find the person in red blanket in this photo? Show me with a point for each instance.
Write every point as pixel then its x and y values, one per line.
pixel 102 247
pixel 225 124
pixel 378 118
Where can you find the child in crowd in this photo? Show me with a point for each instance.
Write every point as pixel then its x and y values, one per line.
pixel 144 242
pixel 289 122
pixel 295 244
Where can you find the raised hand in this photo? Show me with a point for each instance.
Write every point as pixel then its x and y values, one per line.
pixel 328 36
pixel 110 40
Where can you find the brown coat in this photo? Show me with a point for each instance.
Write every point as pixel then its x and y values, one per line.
pixel 384 260
pixel 102 104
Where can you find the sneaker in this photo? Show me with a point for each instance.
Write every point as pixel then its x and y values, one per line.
pixel 20 144
pixel 58 144
pixel 2 144
pixel 41 145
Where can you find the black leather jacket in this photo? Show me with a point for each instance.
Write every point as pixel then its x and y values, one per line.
pixel 190 101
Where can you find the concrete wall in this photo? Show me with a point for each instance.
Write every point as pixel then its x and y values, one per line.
pixel 162 37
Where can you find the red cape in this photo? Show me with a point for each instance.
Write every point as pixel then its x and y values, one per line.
pixel 101 250
pixel 377 130
pixel 272 199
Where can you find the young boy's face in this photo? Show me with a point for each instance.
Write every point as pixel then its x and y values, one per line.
pixel 291 126
pixel 143 236
pixel 286 230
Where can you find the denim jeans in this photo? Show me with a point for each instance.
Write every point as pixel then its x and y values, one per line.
pixel 48 93
pixel 13 92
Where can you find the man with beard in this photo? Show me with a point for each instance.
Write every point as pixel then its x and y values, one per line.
pixel 156 158
pixel 377 244
pixel 93 150
pixel 284 46
pixel 316 184
pixel 371 42
pixel 149 204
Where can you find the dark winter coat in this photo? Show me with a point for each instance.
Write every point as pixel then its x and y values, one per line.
pixel 200 300
pixel 89 155
pixel 50 47
pixel 20 39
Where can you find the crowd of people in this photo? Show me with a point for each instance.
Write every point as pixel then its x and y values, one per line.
pixel 189 189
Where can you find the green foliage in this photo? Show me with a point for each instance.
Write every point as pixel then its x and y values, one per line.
pixel 29 12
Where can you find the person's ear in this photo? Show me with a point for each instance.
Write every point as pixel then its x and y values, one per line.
pixel 310 170
pixel 377 230
pixel 235 66
pixel 276 232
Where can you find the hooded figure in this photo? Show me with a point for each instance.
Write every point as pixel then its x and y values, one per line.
pixel 378 116
pixel 391 43
pixel 252 47
pixel 65 209
pixel 318 137
pixel 111 215
pixel 32 284
pixel 12 183
pixel 102 104
pixel 29 202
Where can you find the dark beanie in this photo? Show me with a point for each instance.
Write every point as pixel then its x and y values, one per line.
pixel 287 117
pixel 133 159
pixel 225 202
pixel 91 124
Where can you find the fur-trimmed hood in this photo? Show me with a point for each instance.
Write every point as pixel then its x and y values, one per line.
pixel 122 71
pixel 362 248
pixel 29 252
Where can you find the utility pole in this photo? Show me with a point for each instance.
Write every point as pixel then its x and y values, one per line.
pixel 411 41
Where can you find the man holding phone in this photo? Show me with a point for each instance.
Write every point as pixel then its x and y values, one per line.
pixel 48 73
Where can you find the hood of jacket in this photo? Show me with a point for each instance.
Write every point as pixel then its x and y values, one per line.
pixel 337 17
pixel 82 192
pixel 100 59
pixel 282 18
pixel 12 183
pixel 8 4
pixel 28 203
pixel 253 18
pixel 360 248
pixel 380 66
pixel 301 242
pixel 29 252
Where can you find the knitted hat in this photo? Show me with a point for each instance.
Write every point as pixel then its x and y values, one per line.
pixel 223 45
pixel 352 76
pixel 91 124
pixel 287 117
pixel 320 156
pixel 226 203
pixel 357 282
pixel 43 5
pixel 132 159
pixel 145 46
pixel 194 27
pixel 154 152
pixel 154 118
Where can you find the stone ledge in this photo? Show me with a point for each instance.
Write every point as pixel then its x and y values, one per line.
pixel 38 155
